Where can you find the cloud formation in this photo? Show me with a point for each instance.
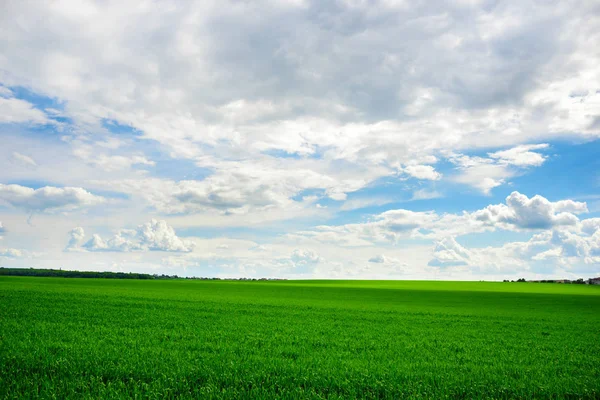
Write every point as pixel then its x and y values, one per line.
pixel 48 198
pixel 244 114
pixel 519 213
pixel 155 235
pixel 545 252
pixel 23 159
pixel 486 173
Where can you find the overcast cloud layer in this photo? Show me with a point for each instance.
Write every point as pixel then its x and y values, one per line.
pixel 387 139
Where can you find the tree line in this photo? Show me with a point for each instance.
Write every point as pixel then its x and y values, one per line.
pixel 80 274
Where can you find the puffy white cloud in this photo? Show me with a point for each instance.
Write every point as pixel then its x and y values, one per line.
pixel 448 252
pixel 519 213
pixel 2 229
pixel 521 156
pixel 303 257
pixel 590 225
pixel 48 198
pixel 155 235
pixel 522 212
pixel 545 252
pixel 378 259
pixel 426 172
pixel 76 238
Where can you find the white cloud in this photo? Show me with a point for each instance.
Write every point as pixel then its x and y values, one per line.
pixel 426 194
pixel 11 253
pixel 23 159
pixel 448 252
pixel 152 236
pixel 358 203
pixel 304 257
pixel 386 111
pixel 20 111
pixel 91 154
pixel 485 174
pixel 241 188
pixel 76 238
pixel 545 252
pixel 378 259
pixel 521 212
pixel 48 198
pixel 426 172
pixel 521 156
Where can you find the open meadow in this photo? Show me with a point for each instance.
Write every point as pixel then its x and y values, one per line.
pixel 106 338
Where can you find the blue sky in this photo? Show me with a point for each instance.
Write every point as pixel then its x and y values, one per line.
pixel 300 139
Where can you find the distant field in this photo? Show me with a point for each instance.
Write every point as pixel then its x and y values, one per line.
pixel 78 338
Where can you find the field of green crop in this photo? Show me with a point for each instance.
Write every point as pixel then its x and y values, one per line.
pixel 102 339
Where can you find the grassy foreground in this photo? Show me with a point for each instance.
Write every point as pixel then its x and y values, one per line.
pixel 88 338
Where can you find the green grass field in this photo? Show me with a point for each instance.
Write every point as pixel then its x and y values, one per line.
pixel 91 338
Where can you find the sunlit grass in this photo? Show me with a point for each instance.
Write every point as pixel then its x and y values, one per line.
pixel 305 339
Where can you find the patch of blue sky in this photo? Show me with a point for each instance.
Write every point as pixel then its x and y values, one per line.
pixel 123 130
pixel 31 183
pixel 176 169
pixel 308 193
pixel 571 171
pixel 109 194
pixel 283 154
pixel 38 100
pixel 38 184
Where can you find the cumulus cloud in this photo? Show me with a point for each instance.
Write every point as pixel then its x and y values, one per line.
pixel 538 212
pixel 447 252
pixel 48 198
pixel 303 257
pixel 545 252
pixel 426 172
pixel 519 213
pixel 76 236
pixel 155 235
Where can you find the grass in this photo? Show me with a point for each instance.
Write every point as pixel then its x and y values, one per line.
pixel 88 338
